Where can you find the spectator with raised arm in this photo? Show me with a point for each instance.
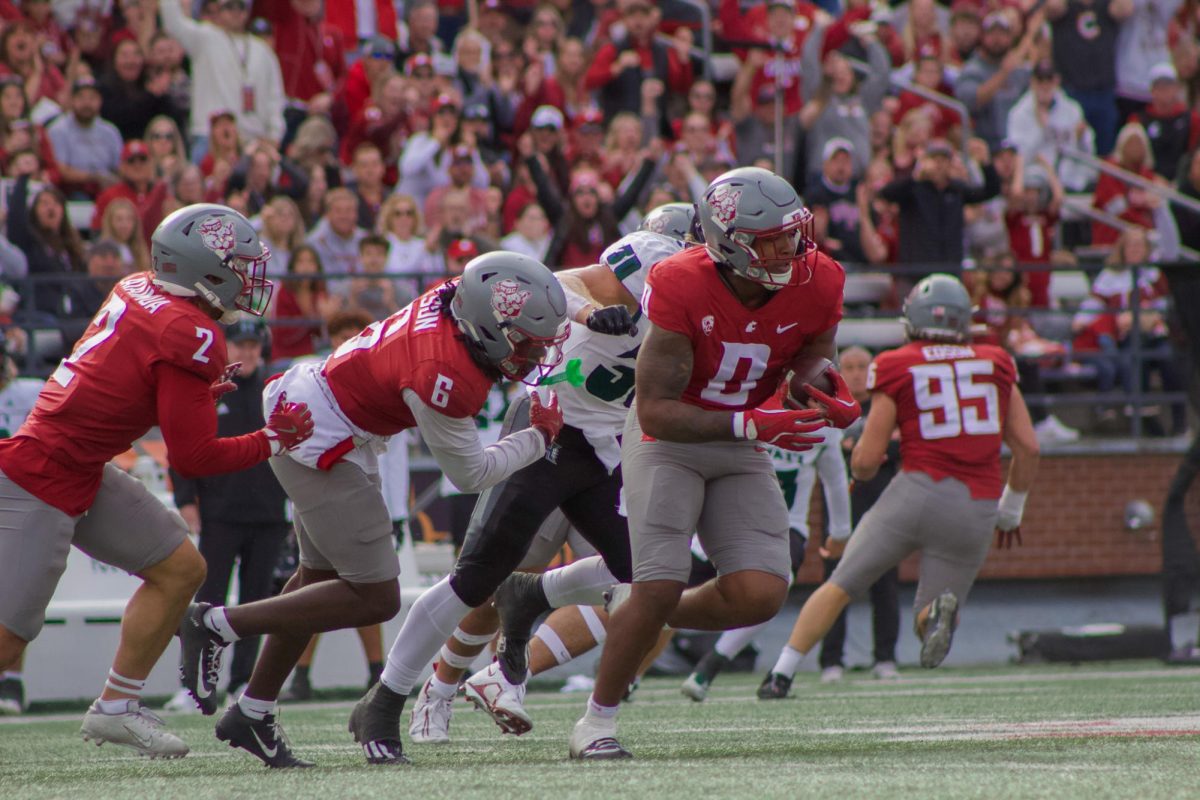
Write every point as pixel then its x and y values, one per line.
pixel 310 49
pixel 997 75
pixel 839 104
pixel 621 65
pixel 931 204
pixel 1085 55
pixel 231 69
pixel 1045 119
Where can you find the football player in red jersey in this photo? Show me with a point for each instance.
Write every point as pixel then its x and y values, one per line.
pixel 954 403
pixel 154 355
pixel 725 322
pixel 428 366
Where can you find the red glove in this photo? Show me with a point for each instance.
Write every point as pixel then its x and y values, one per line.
pixel 842 409
pixel 289 425
pixel 224 385
pixel 783 428
pixel 547 419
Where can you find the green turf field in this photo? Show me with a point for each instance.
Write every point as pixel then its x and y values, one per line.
pixel 1090 732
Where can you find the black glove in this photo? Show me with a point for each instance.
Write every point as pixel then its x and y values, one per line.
pixel 612 321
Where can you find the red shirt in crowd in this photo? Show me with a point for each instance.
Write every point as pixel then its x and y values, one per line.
pixel 311 52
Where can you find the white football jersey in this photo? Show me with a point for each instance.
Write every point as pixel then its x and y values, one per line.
pixel 798 471
pixel 16 401
pixel 595 380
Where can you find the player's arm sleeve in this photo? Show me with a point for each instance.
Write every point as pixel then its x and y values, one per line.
pixel 831 468
pixel 188 420
pixel 454 442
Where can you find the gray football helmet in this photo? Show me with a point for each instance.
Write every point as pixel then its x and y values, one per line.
pixel 212 251
pixel 675 220
pixel 747 204
pixel 938 309
pixel 513 308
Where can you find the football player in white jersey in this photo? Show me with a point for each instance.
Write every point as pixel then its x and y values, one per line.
pixel 580 476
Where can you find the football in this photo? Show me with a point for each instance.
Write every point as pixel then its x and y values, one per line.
pixel 808 370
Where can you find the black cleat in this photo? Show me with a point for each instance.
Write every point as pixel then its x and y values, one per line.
pixel 300 688
pixel 262 738
pixel 375 724
pixel 200 658
pixel 774 687
pixel 519 601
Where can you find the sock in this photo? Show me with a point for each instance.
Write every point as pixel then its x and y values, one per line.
pixel 433 618
pixel 119 683
pixel 11 675
pixel 301 673
pixel 603 712
pixel 789 660
pixel 583 582
pixel 733 642
pixel 374 670
pixel 215 621
pixel 442 690
pixel 255 709
pixel 119 706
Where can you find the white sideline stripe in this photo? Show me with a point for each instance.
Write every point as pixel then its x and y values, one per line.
pixel 904 687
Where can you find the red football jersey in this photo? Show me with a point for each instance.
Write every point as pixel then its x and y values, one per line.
pixel 739 354
pixel 103 396
pixel 951 404
pixel 416 348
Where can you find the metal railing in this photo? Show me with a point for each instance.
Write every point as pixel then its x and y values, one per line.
pixel 1074 391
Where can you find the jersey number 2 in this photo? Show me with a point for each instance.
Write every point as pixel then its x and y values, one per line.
pixel 943 387
pixel 106 321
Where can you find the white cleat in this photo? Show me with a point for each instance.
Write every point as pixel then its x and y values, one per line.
pixel 430 721
pixel 886 671
pixel 181 703
pixel 832 674
pixel 490 691
pixel 595 739
pixel 137 727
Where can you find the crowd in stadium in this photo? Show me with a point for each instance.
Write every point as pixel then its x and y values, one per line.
pixel 373 137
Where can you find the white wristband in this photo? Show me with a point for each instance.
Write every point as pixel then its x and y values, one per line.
pixel 575 304
pixel 1011 508
pixel 739 425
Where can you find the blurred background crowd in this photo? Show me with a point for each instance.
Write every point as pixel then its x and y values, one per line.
pixel 1041 148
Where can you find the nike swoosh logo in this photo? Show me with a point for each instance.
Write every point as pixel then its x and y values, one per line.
pixel 843 402
pixel 784 328
pixel 201 692
pixel 144 741
pixel 270 752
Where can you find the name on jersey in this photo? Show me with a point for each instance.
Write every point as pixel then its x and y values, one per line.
pixel 428 311
pixel 947 352
pixel 143 292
